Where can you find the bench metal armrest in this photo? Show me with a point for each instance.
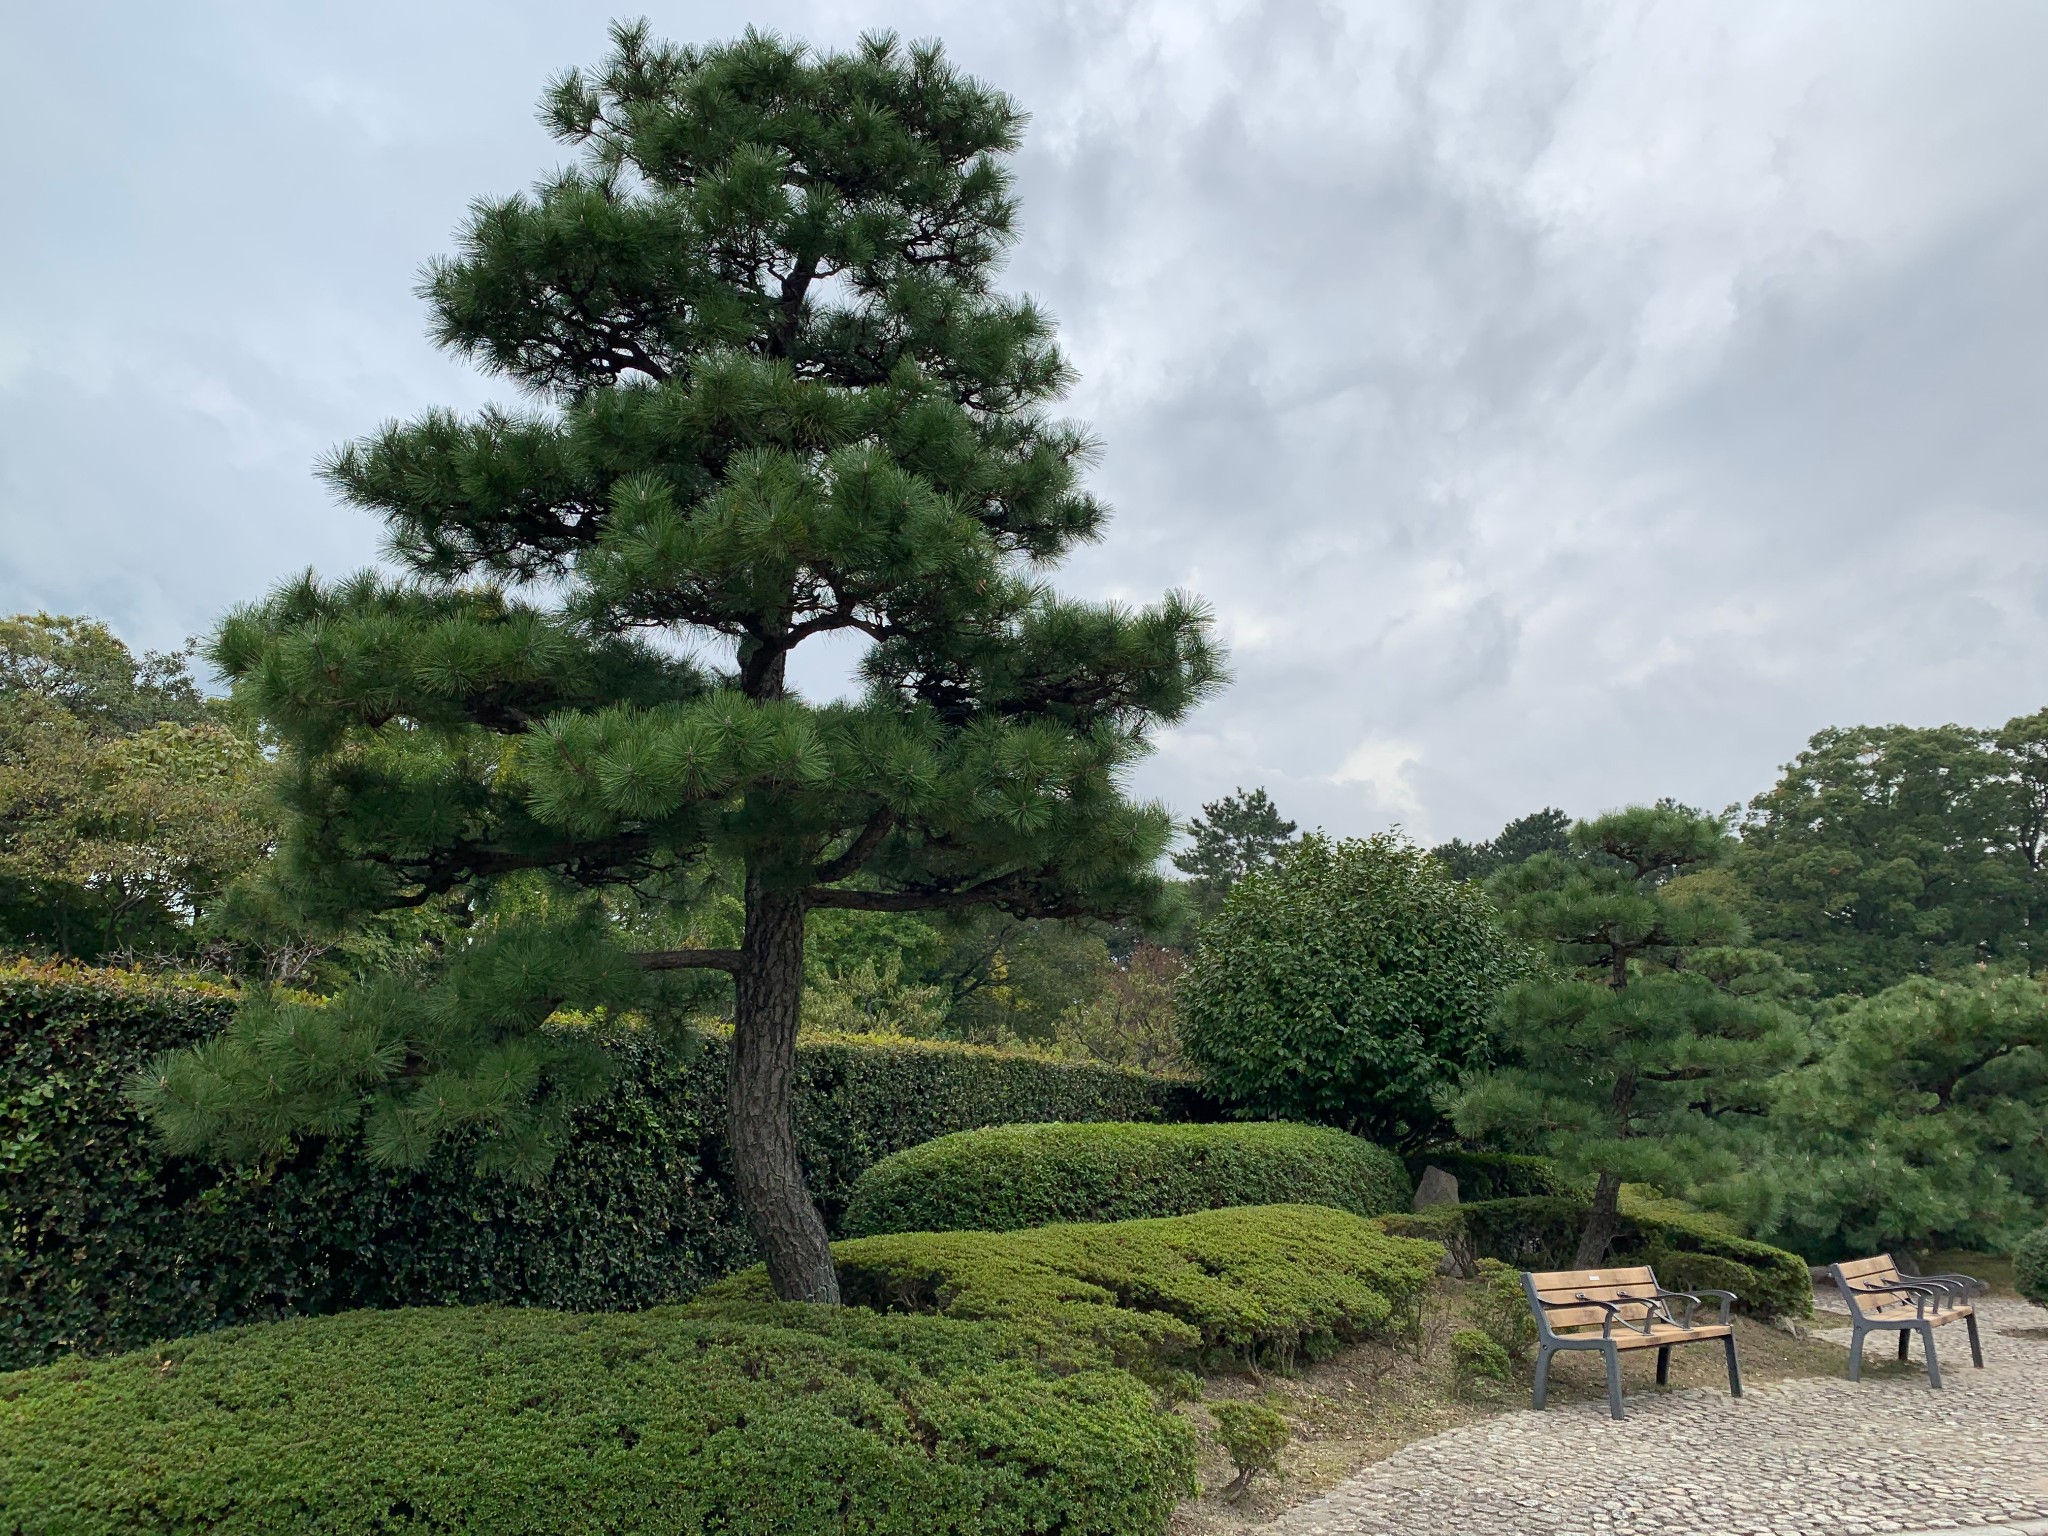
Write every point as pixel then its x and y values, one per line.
pixel 1968 1285
pixel 1727 1299
pixel 1919 1293
pixel 1613 1312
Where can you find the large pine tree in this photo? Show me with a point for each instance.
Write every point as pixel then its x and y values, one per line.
pixel 775 398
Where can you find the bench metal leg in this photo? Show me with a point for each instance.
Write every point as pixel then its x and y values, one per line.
pixel 1856 1354
pixel 1613 1381
pixel 1663 1366
pixel 1976 1347
pixel 1542 1377
pixel 1734 1370
pixel 1933 1361
pixel 1904 1335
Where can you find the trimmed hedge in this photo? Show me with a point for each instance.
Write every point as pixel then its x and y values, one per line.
pixel 1543 1233
pixel 1007 1177
pixel 1498 1175
pixel 1246 1285
pixel 2030 1267
pixel 105 1243
pixel 510 1420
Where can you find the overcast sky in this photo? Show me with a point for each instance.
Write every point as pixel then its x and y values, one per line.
pixel 1559 404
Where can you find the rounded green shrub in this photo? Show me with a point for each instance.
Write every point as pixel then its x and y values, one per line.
pixel 488 1420
pixel 1252 1285
pixel 1008 1177
pixel 1479 1361
pixel 1348 984
pixel 1254 1435
pixel 2030 1267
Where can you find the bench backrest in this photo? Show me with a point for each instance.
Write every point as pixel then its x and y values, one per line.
pixel 1881 1270
pixel 1591 1285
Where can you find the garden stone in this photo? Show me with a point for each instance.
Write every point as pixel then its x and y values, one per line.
pixel 1436 1187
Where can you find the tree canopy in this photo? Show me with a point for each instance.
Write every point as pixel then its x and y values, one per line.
pixel 1630 1060
pixel 1544 831
pixel 1348 983
pixel 775 396
pixel 1233 837
pixel 1885 852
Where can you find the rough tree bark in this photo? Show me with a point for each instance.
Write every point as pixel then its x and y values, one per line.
pixel 1600 1222
pixel 761 1122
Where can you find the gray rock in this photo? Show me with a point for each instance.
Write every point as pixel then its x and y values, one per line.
pixel 1435 1188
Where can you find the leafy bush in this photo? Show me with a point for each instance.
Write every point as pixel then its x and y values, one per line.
pixel 1254 1434
pixel 1543 1233
pixel 2030 1267
pixel 1498 1175
pixel 1501 1309
pixel 1480 1364
pixel 1347 984
pixel 106 1242
pixel 1250 1284
pixel 489 1420
pixel 1007 1177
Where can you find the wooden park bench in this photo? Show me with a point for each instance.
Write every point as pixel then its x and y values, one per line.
pixel 1879 1296
pixel 1616 1309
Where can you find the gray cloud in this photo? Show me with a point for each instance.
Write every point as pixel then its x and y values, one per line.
pixel 1565 404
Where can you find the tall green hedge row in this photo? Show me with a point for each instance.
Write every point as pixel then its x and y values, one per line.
pixel 105 1243
pixel 493 1421
pixel 1006 1177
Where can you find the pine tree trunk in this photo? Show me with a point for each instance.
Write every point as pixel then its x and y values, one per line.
pixel 1600 1222
pixel 761 1116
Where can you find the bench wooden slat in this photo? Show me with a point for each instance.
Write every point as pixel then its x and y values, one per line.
pixel 1579 1279
pixel 1858 1269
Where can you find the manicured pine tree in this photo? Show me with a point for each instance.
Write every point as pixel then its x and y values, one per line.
pixel 1631 1061
pixel 775 397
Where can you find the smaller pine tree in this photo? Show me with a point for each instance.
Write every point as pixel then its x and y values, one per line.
pixel 1635 1058
pixel 1233 837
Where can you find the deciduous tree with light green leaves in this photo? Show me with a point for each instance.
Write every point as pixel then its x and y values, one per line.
pixel 1632 1060
pixel 774 397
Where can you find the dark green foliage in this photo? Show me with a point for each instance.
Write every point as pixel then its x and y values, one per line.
pixel 1889 852
pixel 1922 1123
pixel 1007 1177
pixel 1481 1366
pixel 775 395
pixel 1544 831
pixel 2030 1266
pixel 1498 1175
pixel 106 1242
pixel 1251 1284
pixel 1348 984
pixel 1253 1434
pixel 489 1420
pixel 1500 1307
pixel 1233 837
pixel 1543 1233
pixel 1634 1060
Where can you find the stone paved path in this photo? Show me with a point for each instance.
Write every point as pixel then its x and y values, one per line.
pixel 1809 1457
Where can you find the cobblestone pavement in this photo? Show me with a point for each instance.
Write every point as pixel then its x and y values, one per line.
pixel 1805 1457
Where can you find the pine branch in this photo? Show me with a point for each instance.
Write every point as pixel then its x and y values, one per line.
pixel 862 847
pixel 727 960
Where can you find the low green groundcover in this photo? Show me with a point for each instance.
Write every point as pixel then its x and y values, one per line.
pixel 1254 1284
pixel 2030 1267
pixel 483 1420
pixel 1006 1177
